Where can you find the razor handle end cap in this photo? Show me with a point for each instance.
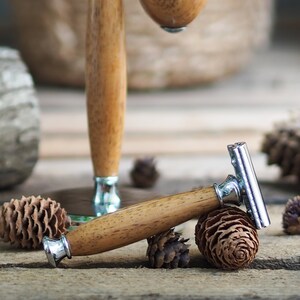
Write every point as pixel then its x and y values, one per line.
pixel 56 250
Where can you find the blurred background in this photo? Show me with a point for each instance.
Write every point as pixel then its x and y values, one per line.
pixel 229 77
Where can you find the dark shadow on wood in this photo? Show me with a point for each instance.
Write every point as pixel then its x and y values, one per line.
pixel 291 264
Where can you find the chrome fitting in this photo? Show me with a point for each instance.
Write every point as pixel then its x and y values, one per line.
pixel 106 199
pixel 229 192
pixel 56 250
pixel 173 29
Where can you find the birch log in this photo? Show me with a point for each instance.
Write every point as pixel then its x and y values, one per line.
pixel 19 120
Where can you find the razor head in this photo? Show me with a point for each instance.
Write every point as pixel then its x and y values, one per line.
pixel 250 190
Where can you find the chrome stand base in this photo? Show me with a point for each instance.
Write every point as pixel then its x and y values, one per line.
pixel 106 199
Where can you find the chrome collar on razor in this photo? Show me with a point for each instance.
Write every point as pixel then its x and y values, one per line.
pixel 137 222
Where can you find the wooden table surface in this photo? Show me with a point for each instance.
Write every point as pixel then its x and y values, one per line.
pixel 123 273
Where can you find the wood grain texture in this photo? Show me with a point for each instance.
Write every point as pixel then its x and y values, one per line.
pixel 105 83
pixel 140 221
pixel 173 13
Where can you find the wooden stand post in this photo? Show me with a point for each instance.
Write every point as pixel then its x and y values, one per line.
pixel 105 83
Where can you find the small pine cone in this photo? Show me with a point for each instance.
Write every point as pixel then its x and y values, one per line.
pixel 282 147
pixel 168 250
pixel 144 173
pixel 291 216
pixel 227 238
pixel 25 222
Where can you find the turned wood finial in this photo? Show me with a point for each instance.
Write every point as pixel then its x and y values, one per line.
pixel 173 15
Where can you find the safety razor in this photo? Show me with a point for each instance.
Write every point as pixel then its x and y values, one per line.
pixel 139 221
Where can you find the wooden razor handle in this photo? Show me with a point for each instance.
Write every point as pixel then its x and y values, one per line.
pixel 105 83
pixel 173 13
pixel 140 221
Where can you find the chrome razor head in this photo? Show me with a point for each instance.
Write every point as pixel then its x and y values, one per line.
pixel 248 185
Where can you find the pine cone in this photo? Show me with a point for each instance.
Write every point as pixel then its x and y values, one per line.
pixel 227 238
pixel 25 222
pixel 291 216
pixel 168 250
pixel 144 173
pixel 282 147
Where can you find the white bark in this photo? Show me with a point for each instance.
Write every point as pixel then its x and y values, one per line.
pixel 19 120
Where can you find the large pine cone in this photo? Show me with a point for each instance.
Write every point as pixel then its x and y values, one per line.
pixel 144 173
pixel 168 250
pixel 282 147
pixel 25 222
pixel 291 216
pixel 227 238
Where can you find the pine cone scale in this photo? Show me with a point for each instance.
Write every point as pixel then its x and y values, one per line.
pixel 26 221
pixel 291 216
pixel 282 147
pixel 227 238
pixel 144 173
pixel 168 250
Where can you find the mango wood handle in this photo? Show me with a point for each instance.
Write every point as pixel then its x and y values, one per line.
pixel 105 83
pixel 173 13
pixel 137 222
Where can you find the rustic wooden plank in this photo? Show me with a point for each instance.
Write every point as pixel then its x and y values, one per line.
pixel 173 120
pixel 148 144
pixel 161 128
pixel 142 283
pixel 124 273
pixel 155 132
